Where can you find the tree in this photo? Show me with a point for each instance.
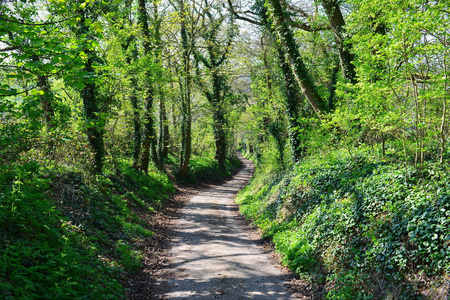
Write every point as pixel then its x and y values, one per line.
pixel 284 33
pixel 185 82
pixel 213 59
pixel 149 140
pixel 337 24
pixel 89 92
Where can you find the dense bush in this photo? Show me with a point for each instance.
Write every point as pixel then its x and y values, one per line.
pixel 366 229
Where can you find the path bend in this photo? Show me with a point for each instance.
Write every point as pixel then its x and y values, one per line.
pixel 213 254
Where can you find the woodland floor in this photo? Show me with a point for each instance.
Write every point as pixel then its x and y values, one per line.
pixel 204 249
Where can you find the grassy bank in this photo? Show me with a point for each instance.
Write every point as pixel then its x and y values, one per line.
pixel 65 236
pixel 358 228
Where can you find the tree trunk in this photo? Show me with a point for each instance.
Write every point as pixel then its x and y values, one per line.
pixel 301 74
pixel 292 97
pixel 46 98
pixel 444 111
pixel 149 139
pixel 337 24
pixel 218 116
pixel 216 55
pixel 90 96
pixel 164 129
pixel 220 138
pixel 185 85
pixel 137 134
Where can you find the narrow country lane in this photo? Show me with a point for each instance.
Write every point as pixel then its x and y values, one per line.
pixel 214 256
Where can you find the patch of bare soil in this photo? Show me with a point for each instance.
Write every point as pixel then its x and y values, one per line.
pixel 142 285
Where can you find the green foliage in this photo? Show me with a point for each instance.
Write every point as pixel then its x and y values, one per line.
pixel 206 168
pixel 366 227
pixel 63 237
pixel 74 79
pixel 402 87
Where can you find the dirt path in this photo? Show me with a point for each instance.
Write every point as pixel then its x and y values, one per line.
pixel 215 256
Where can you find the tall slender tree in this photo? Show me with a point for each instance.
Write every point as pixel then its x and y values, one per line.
pixel 90 94
pixel 337 24
pixel 185 83
pixel 284 33
pixel 213 60
pixel 149 140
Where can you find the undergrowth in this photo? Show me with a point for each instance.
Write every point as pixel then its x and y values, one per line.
pixel 66 236
pixel 363 229
pixel 204 168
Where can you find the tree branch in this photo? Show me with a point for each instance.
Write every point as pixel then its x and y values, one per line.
pixel 18 93
pixel 9 48
pixel 307 27
pixel 201 58
pixel 239 17
pixel 38 24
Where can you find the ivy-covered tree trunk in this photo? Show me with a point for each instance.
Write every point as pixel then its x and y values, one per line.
pixel 185 87
pixel 292 95
pixel 46 98
pixel 216 100
pixel 149 137
pixel 186 135
pixel 219 119
pixel 293 100
pixel 137 132
pixel 134 101
pixel 91 101
pixel 301 74
pixel 213 60
pixel 164 130
pixel 277 131
pixel 133 98
pixel 337 24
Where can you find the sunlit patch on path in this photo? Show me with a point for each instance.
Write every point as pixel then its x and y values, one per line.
pixel 214 257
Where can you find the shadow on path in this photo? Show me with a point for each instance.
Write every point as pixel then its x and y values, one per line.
pixel 213 256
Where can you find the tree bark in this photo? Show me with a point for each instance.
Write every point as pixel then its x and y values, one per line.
pixel 216 56
pixel 185 86
pixel 292 97
pixel 149 139
pixel 91 99
pixel 301 74
pixel 46 100
pixel 337 24
pixel 164 129
pixel 137 132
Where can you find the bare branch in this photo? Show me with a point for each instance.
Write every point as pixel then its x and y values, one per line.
pixel 239 17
